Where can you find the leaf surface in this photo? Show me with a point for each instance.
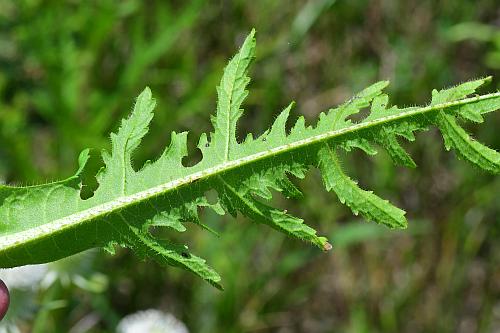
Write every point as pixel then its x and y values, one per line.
pixel 50 221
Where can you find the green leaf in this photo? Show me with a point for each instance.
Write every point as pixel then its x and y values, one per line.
pixel 51 221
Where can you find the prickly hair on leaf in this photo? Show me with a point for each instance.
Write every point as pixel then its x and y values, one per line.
pixel 142 209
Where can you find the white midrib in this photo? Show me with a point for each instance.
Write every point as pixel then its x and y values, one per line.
pixel 41 231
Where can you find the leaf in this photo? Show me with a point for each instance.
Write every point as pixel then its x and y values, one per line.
pixel 50 221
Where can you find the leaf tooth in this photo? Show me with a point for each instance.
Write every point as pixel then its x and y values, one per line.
pixel 337 118
pixel 368 204
pixel 177 149
pixel 358 142
pixel 288 188
pixel 203 143
pixel 386 137
pixel 167 253
pixel 278 129
pixel 83 158
pixel 379 103
pixel 110 247
pixel 298 130
pixel 471 112
pixel 263 136
pixel 262 213
pixel 166 219
pixel 248 138
pixel 458 92
pixel 406 133
pixel 471 150
pixel 231 92
pixel 364 97
pixel 133 128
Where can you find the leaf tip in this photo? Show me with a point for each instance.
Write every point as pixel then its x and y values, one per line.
pixel 146 93
pixel 402 223
pixel 249 42
pixel 381 85
pixel 385 83
pixel 146 96
pixel 82 160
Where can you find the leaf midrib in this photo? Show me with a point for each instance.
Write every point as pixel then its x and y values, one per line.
pixel 38 232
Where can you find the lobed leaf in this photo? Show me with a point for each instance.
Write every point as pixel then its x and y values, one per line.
pixel 50 221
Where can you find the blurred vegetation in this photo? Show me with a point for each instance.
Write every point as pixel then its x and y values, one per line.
pixel 69 70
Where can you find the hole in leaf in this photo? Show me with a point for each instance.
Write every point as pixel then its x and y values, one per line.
pixel 359 116
pixel 212 196
pixel 194 155
pixel 88 176
pixel 193 158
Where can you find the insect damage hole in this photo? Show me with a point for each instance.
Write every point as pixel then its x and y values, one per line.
pixel 194 156
pixel 212 196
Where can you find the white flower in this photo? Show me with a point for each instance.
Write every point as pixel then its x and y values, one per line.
pixel 24 276
pixel 9 328
pixel 151 321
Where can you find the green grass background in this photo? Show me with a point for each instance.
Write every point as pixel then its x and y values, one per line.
pixel 69 70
